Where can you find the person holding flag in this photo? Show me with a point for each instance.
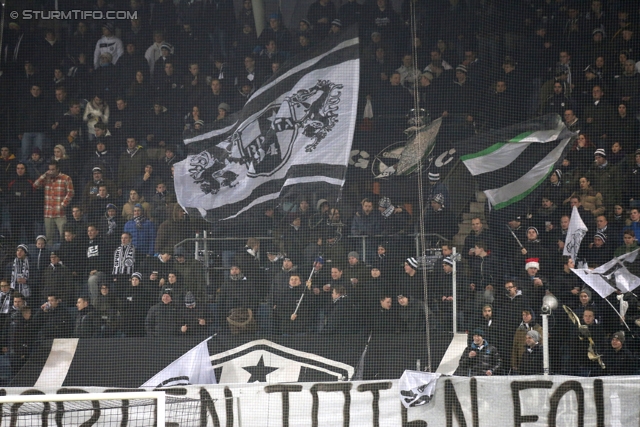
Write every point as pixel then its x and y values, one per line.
pixel 292 308
pixel 576 232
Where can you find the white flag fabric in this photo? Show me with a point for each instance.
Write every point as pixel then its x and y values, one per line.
pixel 513 163
pixel 193 367
pixel 595 281
pixel 417 388
pixel 293 137
pixel 611 276
pixel 575 234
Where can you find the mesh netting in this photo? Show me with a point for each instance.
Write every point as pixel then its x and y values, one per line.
pixel 328 202
pixel 131 412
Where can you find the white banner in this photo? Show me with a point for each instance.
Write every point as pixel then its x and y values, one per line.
pixel 494 401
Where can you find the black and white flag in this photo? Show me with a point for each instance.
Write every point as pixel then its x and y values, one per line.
pixel 417 388
pixel 193 367
pixel 611 276
pixel 576 232
pixel 292 137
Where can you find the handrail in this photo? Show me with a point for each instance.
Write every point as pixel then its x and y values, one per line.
pixel 205 239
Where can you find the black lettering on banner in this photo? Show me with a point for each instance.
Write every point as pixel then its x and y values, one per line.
pixel 345 388
pixel 557 395
pixel 3 392
pixel 452 405
pixel 285 390
pixel 60 408
pixel 17 405
pixel 375 388
pixel 405 423
pixel 124 422
pixel 207 407
pixel 179 391
pixel 598 396
pixel 228 405
pixel 516 387
pixel 473 385
pixel 173 391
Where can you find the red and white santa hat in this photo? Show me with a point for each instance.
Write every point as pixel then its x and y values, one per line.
pixel 532 263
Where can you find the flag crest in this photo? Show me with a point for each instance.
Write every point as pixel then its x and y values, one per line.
pixel 292 137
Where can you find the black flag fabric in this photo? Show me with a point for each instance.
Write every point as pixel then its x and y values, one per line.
pixel 130 362
pixel 292 137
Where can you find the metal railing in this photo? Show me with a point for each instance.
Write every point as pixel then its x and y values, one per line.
pixel 202 244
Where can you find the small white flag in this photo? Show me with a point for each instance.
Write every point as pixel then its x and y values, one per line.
pixel 417 388
pixel 610 276
pixel 575 234
pixel 193 367
pixel 595 281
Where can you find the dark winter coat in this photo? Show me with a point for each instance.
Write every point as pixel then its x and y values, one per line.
pixel 486 359
pixel 162 320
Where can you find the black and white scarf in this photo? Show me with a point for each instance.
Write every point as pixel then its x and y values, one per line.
pixel 111 224
pixel 124 259
pixel 132 151
pixel 139 220
pixel 54 266
pixel 5 302
pixel 20 270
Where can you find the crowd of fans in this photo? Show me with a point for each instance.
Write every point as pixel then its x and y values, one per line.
pixel 94 115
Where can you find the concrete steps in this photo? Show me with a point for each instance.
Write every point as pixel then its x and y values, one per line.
pixel 476 209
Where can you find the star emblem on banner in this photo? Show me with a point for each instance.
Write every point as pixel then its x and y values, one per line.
pixel 259 372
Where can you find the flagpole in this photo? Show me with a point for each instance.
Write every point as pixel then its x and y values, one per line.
pixel 307 285
pixel 358 375
pixel 4 4
pixel 614 309
pixel 515 237
pixel 416 113
pixel 454 292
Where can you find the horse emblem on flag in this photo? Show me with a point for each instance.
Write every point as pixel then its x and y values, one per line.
pixel 263 143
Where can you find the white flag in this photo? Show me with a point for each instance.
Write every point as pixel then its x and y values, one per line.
pixel 417 388
pixel 292 138
pixel 193 367
pixel 625 281
pixel 611 275
pixel 595 281
pixel 575 234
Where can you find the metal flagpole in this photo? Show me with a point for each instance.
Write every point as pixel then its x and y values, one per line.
pixel 454 291
pixel 302 296
pixel 4 8
pixel 416 112
pixel 514 236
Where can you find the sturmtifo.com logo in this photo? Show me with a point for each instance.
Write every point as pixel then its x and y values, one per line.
pixel 75 14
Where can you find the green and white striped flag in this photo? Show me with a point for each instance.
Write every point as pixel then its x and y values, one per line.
pixel 512 163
